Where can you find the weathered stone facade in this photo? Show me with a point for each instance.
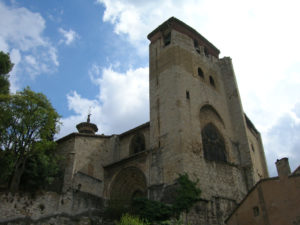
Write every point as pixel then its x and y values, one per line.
pixel 197 126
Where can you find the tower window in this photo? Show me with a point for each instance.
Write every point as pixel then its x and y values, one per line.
pixel 255 211
pixel 196 45
pixel 187 95
pixel 213 143
pixel 200 72
pixel 212 81
pixel 206 51
pixel 167 39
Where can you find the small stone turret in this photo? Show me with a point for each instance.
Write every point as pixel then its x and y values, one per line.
pixel 283 167
pixel 87 127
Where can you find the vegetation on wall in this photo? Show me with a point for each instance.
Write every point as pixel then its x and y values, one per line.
pixel 152 211
pixel 155 212
pixel 128 219
pixel 186 195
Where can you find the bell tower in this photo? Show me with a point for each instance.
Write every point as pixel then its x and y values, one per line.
pixel 197 122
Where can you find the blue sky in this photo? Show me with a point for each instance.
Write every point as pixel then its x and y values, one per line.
pixel 94 54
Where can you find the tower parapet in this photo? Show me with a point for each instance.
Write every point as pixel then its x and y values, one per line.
pixel 173 23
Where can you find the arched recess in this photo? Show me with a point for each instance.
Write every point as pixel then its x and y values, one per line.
pixel 128 184
pixel 213 143
pixel 208 113
pixel 212 130
pixel 137 144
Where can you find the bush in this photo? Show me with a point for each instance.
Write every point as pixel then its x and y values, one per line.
pixel 187 194
pixel 127 219
pixel 151 210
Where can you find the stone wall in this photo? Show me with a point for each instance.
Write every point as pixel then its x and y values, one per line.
pixel 85 156
pixel 211 212
pixel 42 205
pixel 88 184
pixel 257 152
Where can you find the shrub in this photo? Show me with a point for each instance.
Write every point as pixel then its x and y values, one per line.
pixel 151 210
pixel 127 219
pixel 187 194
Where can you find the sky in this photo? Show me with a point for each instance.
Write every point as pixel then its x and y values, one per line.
pixel 92 56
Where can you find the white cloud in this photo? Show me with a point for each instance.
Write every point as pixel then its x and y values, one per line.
pixel 283 140
pixel 122 102
pixel 260 36
pixel 21 34
pixel 69 36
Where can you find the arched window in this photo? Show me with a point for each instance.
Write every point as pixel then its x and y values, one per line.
pixel 137 143
pixel 212 81
pixel 200 72
pixel 213 143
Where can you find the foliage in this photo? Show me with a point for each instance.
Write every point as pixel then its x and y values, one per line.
pixel 127 219
pixel 42 168
pixel 151 210
pixel 6 166
pixel 5 63
pixel 187 194
pixel 5 67
pixel 28 123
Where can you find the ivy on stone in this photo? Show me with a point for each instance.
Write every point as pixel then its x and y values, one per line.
pixel 187 194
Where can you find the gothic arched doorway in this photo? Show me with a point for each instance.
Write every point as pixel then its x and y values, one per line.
pixel 128 184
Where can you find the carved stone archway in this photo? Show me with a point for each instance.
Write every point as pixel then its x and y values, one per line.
pixel 128 184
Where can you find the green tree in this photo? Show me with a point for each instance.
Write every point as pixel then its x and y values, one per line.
pixel 5 67
pixel 42 168
pixel 27 122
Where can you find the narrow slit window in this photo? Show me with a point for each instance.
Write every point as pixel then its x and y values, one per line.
pixel 187 95
pixel 206 51
pixel 255 211
pixel 212 81
pixel 200 72
pixel 167 39
pixel 196 45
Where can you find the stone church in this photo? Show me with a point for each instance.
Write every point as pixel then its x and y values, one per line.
pixel 197 126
